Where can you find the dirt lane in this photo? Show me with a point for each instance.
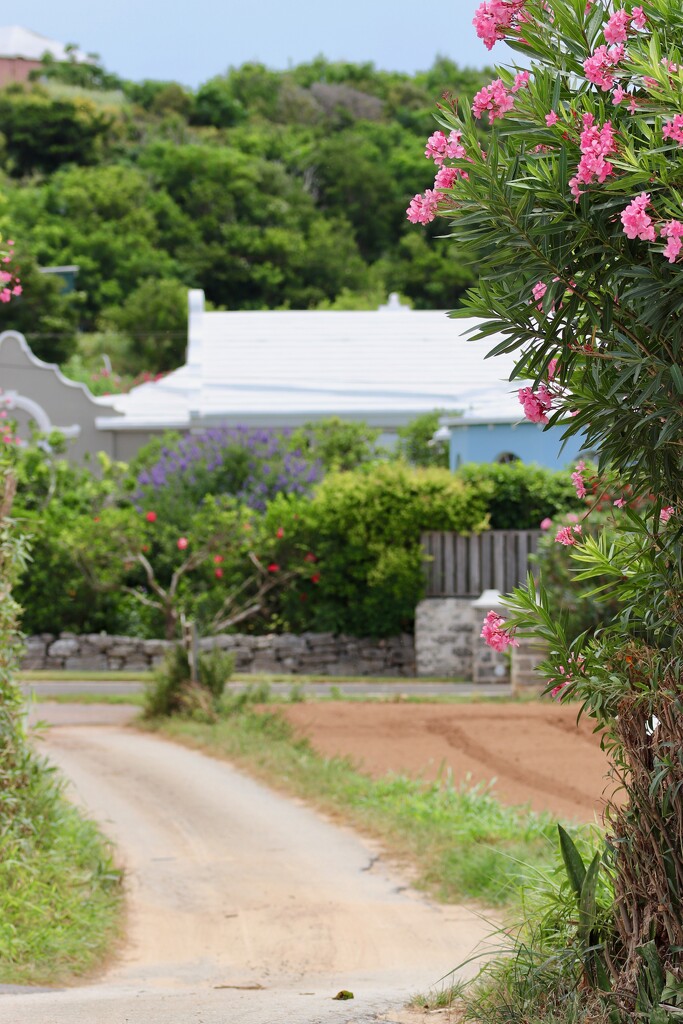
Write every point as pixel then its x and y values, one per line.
pixel 232 887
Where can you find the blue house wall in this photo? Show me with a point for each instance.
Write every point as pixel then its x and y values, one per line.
pixel 488 442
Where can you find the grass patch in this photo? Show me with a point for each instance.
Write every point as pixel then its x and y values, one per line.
pixel 60 893
pixel 464 843
pixel 62 676
pixel 90 698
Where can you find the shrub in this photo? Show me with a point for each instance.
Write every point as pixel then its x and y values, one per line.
pixel 519 495
pixel 173 691
pixel 359 538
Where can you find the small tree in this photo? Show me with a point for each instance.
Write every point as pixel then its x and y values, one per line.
pixel 211 570
pixel 573 200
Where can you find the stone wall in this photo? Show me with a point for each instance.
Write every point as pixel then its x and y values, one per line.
pixel 307 654
pixel 447 642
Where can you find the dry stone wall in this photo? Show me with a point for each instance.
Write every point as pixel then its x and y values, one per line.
pixel 307 654
pixel 448 642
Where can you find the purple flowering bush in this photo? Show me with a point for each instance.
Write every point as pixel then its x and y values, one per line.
pixel 249 465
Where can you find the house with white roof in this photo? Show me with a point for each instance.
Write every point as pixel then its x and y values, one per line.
pixel 282 369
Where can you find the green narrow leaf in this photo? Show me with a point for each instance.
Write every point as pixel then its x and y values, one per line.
pixel 573 862
pixel 587 900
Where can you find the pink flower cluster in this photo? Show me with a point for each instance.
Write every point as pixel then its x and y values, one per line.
pixel 577 479
pixel 567 535
pixel 9 282
pixel 600 68
pixel 637 223
pixel 493 632
pixel 536 404
pixel 567 674
pixel 596 144
pixel 494 99
pixel 666 514
pixel 439 148
pixel 674 129
pixel 616 29
pixel 494 19
pixel 673 230
pixel 422 209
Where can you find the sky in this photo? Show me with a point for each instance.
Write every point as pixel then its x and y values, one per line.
pixel 189 42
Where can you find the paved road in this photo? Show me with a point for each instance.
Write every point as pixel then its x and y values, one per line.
pixel 244 907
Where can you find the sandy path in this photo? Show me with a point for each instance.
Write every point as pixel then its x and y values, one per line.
pixel 535 751
pixel 232 886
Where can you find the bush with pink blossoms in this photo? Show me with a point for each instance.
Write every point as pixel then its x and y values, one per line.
pixel 574 209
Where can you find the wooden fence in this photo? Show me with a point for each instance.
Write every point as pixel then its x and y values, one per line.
pixel 457 566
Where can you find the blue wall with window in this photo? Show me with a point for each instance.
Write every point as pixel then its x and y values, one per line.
pixel 500 442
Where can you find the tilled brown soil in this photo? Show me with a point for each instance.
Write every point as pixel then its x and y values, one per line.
pixel 535 753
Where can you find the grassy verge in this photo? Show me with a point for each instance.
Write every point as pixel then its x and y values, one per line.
pixel 91 698
pixel 60 894
pixel 62 676
pixel 463 842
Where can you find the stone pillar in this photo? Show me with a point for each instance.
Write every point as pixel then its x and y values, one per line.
pixel 444 637
pixel 524 677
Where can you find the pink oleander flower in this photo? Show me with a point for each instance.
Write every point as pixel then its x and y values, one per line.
pixel 567 535
pixel 600 67
pixel 551 119
pixel 538 291
pixel 494 19
pixel 577 479
pixel 439 147
pixel 422 209
pixel 666 514
pixel 446 177
pixel 536 403
pixel 619 502
pixel 494 99
pixel 618 96
pixel 546 523
pixel 633 105
pixel 638 19
pixel 552 368
pixel 616 29
pixel 673 230
pixel 595 144
pixel 637 223
pixel 520 82
pixel 17 290
pixel 674 129
pixel 493 632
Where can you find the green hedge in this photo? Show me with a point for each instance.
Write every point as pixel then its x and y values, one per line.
pixel 363 529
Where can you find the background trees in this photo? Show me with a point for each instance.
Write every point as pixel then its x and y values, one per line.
pixel 268 189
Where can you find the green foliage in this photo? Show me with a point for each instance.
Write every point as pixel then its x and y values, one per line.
pixel 415 442
pixel 360 537
pixel 154 318
pixel 337 444
pixel 173 691
pixel 521 495
pixel 44 313
pixel 42 134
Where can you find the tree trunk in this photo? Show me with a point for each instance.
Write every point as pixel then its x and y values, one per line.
pixel 647 837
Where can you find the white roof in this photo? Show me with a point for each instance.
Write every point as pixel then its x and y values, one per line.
pixel 281 368
pixel 16 41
